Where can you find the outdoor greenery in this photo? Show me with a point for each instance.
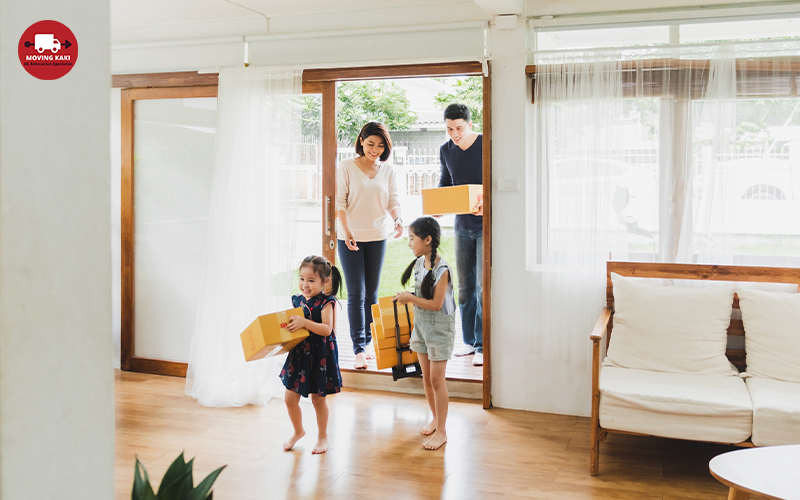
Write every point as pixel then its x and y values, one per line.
pixel 398 257
pixel 356 104
pixel 466 90
pixel 177 483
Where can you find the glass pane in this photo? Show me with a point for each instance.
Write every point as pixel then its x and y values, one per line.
pixel 610 37
pixel 173 160
pixel 305 178
pixel 757 181
pixel 614 160
pixel 740 30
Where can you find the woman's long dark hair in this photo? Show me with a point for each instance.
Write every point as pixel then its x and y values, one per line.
pixel 422 228
pixel 324 270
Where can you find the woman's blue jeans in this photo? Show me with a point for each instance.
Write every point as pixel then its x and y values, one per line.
pixel 469 266
pixel 362 274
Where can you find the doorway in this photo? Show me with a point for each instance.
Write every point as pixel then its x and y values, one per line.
pixel 412 110
pixel 317 81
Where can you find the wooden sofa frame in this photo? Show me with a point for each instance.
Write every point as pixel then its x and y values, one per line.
pixel 602 328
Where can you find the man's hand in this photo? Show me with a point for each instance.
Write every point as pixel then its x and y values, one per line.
pixel 478 208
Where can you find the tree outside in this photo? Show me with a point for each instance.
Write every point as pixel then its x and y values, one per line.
pixel 358 103
pixel 466 90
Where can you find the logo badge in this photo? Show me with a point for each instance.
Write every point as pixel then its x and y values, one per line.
pixel 48 50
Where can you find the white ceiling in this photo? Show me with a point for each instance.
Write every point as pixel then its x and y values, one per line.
pixel 138 20
pixel 163 20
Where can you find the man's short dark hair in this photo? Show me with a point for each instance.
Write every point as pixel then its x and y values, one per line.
pixel 456 111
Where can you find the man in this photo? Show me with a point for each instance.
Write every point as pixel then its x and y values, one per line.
pixel 462 163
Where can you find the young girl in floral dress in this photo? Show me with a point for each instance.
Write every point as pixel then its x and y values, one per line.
pixel 312 367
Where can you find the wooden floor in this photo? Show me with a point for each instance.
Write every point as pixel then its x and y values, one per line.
pixel 458 368
pixel 375 451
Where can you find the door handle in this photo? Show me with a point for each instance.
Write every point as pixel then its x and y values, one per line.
pixel 327 216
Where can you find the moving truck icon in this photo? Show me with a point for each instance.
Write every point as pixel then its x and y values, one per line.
pixel 46 42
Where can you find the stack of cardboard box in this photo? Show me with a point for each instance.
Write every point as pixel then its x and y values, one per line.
pixel 384 332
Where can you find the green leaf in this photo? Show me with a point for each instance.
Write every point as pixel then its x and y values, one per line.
pixel 175 473
pixel 142 490
pixel 201 491
pixel 172 491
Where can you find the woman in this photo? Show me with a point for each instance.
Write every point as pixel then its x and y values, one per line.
pixel 366 202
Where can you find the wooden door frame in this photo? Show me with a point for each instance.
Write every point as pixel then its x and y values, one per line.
pixel 322 81
pixel 176 86
pixel 128 359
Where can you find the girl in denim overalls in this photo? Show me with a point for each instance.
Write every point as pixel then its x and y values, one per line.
pixel 434 325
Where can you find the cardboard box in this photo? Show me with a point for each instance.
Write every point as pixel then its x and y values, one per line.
pixel 387 358
pixel 267 336
pixel 376 313
pixel 386 318
pixel 451 200
pixel 381 341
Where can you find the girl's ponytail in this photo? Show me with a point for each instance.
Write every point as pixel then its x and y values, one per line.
pixel 428 283
pixel 422 228
pixel 407 273
pixel 336 281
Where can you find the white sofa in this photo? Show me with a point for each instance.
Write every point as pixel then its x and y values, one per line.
pixel 668 371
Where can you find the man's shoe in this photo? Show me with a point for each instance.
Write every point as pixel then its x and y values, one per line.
pixel 477 360
pixel 466 350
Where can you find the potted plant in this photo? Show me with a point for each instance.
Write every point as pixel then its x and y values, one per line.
pixel 177 483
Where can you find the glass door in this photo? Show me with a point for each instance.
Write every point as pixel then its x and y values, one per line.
pixel 168 141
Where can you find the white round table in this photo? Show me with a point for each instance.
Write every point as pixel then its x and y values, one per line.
pixel 772 471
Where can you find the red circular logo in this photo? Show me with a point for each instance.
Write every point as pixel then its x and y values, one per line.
pixel 48 50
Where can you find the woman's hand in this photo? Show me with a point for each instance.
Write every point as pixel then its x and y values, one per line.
pixel 295 323
pixel 403 298
pixel 350 240
pixel 398 228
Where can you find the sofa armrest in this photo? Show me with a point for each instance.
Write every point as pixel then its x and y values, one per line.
pixel 598 332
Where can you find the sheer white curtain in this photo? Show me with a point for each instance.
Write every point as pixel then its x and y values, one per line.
pixel 675 154
pixel 249 262
pixel 579 105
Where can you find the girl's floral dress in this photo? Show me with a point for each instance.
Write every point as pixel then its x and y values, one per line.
pixel 312 366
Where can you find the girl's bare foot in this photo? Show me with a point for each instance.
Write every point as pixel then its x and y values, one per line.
pixel 321 446
pixel 436 441
pixel 429 429
pixel 370 355
pixel 288 445
pixel 361 361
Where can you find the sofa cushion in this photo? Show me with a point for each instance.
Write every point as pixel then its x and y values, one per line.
pixel 771 333
pixel 776 411
pixel 670 328
pixel 675 405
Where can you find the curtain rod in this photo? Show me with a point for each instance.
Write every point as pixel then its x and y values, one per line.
pixel 666 46
pixel 667 15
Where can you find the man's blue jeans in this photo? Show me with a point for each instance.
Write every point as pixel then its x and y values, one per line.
pixel 469 266
pixel 362 273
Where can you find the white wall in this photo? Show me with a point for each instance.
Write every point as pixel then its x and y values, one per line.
pixel 453 41
pixel 56 383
